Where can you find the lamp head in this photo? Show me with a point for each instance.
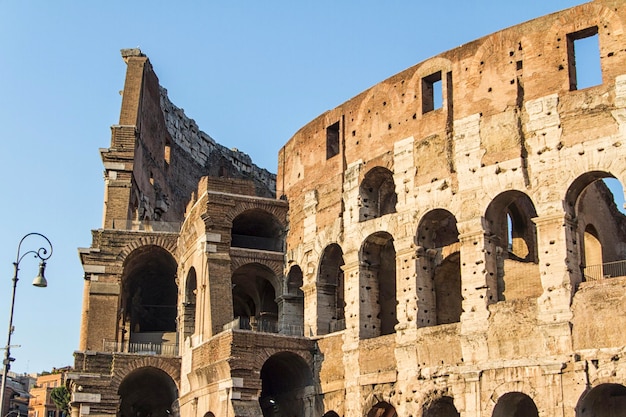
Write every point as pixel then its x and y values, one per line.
pixel 40 279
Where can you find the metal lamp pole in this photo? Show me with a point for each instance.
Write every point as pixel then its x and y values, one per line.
pixel 43 253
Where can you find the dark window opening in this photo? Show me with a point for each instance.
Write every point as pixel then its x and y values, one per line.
pixel 332 140
pixel 583 52
pixel 432 95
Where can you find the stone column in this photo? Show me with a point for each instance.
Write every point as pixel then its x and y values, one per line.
pixel 427 308
pixel 478 286
pixel 406 286
pixel 559 267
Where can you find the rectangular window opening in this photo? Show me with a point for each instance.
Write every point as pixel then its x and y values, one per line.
pixel 166 153
pixel 332 140
pixel 432 93
pixel 583 52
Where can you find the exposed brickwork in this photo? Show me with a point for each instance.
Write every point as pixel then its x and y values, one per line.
pixel 473 252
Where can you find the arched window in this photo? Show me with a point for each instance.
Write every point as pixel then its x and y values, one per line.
pixel 330 291
pixel 377 193
pixel 257 229
pixel 189 304
pixel 377 282
pixel 439 269
pixel 605 400
pixel 254 298
pixel 514 238
pixel 515 404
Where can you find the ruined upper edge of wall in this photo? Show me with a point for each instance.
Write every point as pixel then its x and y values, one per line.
pixel 200 146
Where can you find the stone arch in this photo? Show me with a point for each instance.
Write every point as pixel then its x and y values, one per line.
pixel 377 193
pixel 604 400
pixel 254 291
pixel 515 404
pixel 287 386
pixel 330 291
pixel 382 409
pixel 598 225
pixel 275 266
pixel 278 211
pixel 330 414
pixel 508 387
pixel 508 220
pixel 256 228
pixel 377 286
pixel 166 242
pixel 148 298
pixel 439 269
pixel 440 407
pixel 147 391
pixel 161 363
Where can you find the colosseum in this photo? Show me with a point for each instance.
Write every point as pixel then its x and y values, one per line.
pixel 443 244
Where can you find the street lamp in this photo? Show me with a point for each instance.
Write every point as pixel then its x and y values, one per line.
pixel 43 253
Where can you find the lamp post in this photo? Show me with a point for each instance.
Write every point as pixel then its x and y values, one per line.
pixel 43 253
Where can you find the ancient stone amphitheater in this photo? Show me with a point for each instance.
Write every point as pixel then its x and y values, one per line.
pixel 443 244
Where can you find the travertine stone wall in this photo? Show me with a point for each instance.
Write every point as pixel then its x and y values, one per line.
pixel 512 131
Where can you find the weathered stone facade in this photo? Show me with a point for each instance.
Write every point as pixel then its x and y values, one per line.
pixel 425 257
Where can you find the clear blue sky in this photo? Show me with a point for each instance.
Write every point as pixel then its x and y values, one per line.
pixel 251 73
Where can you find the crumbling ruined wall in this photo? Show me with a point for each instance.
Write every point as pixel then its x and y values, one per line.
pixel 510 155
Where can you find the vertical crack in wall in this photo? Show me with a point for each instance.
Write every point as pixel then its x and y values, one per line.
pixel 519 107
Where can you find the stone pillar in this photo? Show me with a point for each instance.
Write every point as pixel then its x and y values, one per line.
pixel 291 308
pixel 472 394
pixel 426 304
pixel 404 173
pixel 351 195
pixel 352 299
pixel 220 297
pixel 478 286
pixel 406 286
pixel 559 267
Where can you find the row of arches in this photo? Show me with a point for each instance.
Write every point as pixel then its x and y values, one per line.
pixel 287 388
pixel 605 400
pixel 264 301
pixel 511 236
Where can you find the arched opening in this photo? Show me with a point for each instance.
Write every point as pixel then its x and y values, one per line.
pixel 438 269
pixel 605 400
pixel 382 409
pixel 514 256
pixel 442 407
pixel 377 193
pixel 330 414
pixel 292 304
pixel 148 392
pixel 286 386
pixel 209 414
pixel 254 298
pixel 148 301
pixel 189 304
pixel 601 225
pixel 257 229
pixel 330 291
pixel 515 404
pixel 377 286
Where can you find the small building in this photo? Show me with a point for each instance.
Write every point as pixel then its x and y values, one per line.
pixel 40 404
